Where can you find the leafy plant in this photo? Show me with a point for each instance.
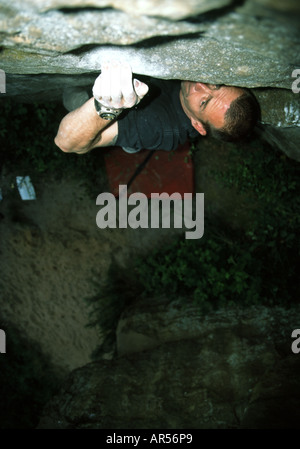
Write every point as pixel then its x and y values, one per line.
pixel 256 265
pixel 118 292
pixel 27 134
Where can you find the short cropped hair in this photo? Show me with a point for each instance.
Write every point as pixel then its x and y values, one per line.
pixel 240 119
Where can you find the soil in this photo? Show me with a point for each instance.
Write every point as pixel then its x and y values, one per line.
pixel 54 258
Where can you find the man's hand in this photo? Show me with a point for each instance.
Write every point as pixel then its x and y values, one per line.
pixel 115 89
pixel 84 128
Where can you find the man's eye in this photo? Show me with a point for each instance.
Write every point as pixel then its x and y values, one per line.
pixel 202 103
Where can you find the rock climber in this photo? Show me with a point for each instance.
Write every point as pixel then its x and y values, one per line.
pixel 171 112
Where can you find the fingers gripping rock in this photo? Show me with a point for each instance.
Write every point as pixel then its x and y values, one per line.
pixel 141 89
pixel 114 87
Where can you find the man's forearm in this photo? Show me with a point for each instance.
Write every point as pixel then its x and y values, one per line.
pixel 114 90
pixel 81 129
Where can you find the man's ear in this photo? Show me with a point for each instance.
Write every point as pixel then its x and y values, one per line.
pixel 199 127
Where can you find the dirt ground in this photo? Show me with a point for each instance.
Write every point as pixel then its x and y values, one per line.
pixel 54 257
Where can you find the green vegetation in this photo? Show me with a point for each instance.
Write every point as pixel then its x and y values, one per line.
pixel 120 290
pixel 27 134
pixel 252 266
pixel 228 267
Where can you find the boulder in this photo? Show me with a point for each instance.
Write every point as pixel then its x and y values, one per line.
pixel 235 46
pixel 180 370
pixel 49 45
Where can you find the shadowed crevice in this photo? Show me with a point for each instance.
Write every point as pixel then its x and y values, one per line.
pixel 80 9
pixel 144 44
pixel 213 14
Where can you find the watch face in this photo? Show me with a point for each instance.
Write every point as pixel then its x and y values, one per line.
pixel 107 115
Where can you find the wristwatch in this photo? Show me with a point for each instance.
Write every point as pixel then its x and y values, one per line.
pixel 106 113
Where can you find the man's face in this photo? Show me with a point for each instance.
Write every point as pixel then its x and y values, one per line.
pixel 207 103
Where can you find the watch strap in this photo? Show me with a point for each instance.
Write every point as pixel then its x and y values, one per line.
pixel 106 113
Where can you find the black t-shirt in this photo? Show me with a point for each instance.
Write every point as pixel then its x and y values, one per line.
pixel 158 122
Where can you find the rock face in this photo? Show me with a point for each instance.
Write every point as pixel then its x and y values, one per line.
pixel 280 118
pixel 48 45
pixel 177 369
pixel 242 46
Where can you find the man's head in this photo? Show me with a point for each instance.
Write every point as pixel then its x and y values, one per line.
pixel 225 112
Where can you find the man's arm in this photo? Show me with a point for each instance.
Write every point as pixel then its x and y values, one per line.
pixel 83 129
